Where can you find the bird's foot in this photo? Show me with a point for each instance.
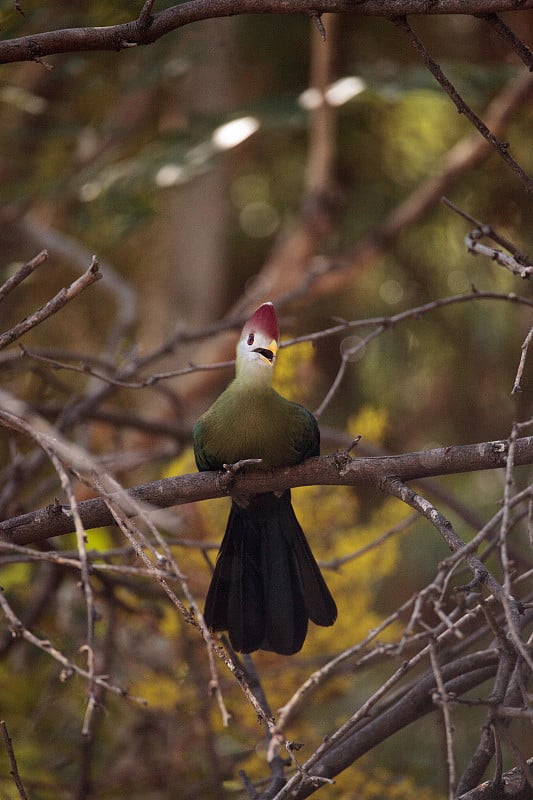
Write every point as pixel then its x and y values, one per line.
pixel 239 465
pixel 229 471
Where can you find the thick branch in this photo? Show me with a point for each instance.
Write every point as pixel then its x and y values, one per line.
pixel 148 28
pixel 334 470
pixel 513 787
pixel 459 676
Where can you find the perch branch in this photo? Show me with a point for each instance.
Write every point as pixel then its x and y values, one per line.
pixel 337 469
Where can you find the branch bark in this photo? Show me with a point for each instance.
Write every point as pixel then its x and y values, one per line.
pixel 459 676
pixel 52 306
pixel 512 787
pixel 335 470
pixel 148 28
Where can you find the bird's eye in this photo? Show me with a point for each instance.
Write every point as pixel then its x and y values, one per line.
pixel 250 339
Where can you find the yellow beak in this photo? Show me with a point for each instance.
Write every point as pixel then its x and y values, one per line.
pixel 274 347
pixel 268 354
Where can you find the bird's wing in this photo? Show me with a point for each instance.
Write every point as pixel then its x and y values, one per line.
pixel 201 453
pixel 306 439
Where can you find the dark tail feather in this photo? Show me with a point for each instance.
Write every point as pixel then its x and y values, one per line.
pixel 266 583
pixel 234 601
pixel 320 605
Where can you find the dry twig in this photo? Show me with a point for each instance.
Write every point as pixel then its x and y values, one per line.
pixel 502 148
pixel 22 273
pixel 13 761
pixel 52 306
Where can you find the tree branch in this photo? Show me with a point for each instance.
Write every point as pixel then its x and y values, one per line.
pixel 345 746
pixel 513 787
pixel 13 761
pixel 335 470
pixel 500 147
pixel 148 27
pixel 52 306
pixel 21 274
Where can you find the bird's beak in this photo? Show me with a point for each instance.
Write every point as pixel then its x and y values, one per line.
pixel 268 353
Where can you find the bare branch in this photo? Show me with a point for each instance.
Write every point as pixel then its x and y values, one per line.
pixel 518 263
pixel 22 273
pixel 59 244
pixel 524 347
pixel 364 731
pixel 463 108
pixel 338 469
pixel 513 787
pixel 69 666
pixel 348 352
pixel 507 34
pixel 481 575
pixel 350 349
pixel 86 369
pixel 441 697
pixel 13 761
pixel 52 306
pixel 148 27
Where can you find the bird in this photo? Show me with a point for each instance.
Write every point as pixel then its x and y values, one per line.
pixel 266 584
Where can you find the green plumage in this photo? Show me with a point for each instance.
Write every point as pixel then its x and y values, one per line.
pixel 266 584
pixel 251 422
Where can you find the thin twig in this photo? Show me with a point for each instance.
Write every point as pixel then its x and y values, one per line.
pixel 22 273
pixel 524 347
pixel 519 264
pixel 503 30
pixel 69 667
pixel 348 354
pixel 351 352
pixel 164 557
pixel 52 306
pixel 506 517
pixel 86 369
pixel 502 148
pixel 71 251
pixel 144 19
pixel 317 19
pixel 336 563
pixel 481 575
pixel 443 701
pixel 81 538
pixel 474 246
pixel 13 761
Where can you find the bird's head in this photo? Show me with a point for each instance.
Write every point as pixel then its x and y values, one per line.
pixel 258 344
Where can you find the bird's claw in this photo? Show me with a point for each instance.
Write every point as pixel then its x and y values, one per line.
pixel 229 471
pixel 239 465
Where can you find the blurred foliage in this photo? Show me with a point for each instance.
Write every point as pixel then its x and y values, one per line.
pixel 103 147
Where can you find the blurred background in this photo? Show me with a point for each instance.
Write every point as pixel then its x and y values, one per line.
pixel 208 175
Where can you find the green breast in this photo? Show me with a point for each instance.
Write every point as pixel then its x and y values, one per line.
pixel 251 423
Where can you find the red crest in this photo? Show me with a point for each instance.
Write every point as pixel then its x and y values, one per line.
pixel 265 321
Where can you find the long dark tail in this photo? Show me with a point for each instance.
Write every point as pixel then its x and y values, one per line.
pixel 267 584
